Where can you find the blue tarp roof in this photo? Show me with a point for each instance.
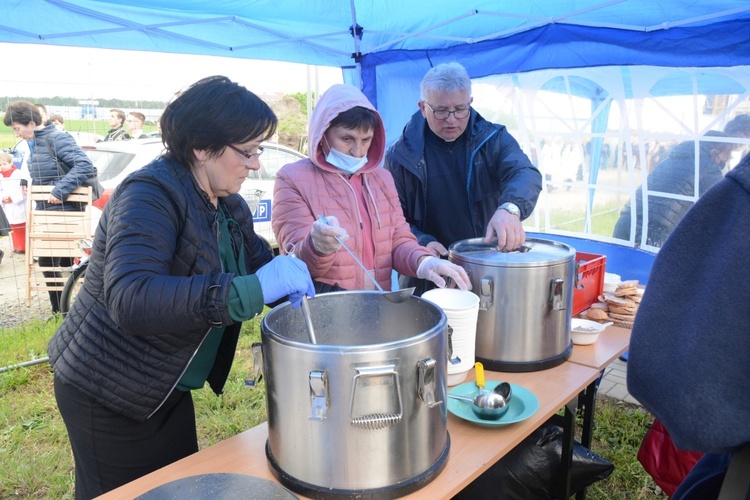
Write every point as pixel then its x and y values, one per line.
pixel 501 37
pixel 390 44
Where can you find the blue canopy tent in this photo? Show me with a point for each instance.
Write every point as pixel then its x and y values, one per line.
pixel 386 47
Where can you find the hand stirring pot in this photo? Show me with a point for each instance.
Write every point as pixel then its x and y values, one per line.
pixel 395 297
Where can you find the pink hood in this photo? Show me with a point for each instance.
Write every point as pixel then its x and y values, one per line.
pixel 335 100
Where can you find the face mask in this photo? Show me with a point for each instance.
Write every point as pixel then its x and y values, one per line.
pixel 344 162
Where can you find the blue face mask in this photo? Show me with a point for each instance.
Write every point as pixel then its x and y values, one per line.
pixel 344 162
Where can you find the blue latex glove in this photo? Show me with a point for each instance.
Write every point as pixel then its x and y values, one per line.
pixel 285 276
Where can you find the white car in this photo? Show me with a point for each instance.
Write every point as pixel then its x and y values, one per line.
pixel 115 160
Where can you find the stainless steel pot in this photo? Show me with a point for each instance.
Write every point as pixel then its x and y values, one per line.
pixel 362 412
pixel 525 302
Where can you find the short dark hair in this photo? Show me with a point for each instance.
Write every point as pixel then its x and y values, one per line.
pixel 211 114
pixel 355 118
pixel 120 115
pixel 57 117
pixel 739 125
pixel 22 112
pixel 717 145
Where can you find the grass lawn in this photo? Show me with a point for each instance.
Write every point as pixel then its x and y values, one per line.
pixel 36 461
pixel 8 139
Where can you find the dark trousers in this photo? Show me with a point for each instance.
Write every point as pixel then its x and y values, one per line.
pixel 54 295
pixel 111 450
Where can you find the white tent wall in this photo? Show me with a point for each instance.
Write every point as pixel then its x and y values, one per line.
pixel 587 203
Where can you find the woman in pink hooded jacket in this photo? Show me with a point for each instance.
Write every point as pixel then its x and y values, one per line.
pixel 343 181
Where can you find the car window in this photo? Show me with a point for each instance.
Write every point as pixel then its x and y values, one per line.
pixel 109 163
pixel 271 162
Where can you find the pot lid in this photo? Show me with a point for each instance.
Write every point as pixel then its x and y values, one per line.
pixel 223 486
pixel 533 253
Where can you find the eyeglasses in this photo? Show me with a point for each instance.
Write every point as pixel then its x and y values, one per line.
pixel 247 155
pixel 443 114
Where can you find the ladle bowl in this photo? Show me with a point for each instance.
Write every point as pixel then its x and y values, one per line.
pixel 489 405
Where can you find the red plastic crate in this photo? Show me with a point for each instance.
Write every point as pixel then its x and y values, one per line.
pixel 589 285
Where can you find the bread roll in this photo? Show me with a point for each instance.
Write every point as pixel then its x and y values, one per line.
pixel 597 315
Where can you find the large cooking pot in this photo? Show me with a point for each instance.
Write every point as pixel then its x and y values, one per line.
pixel 363 412
pixel 525 302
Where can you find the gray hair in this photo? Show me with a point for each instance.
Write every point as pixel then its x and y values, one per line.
pixel 446 77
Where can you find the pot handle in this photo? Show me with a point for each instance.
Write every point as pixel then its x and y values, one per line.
pixel 485 294
pixel 426 387
pixel 319 394
pixel 375 420
pixel 451 359
pixel 556 293
pixel 257 350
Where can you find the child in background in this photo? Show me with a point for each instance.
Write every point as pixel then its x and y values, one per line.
pixel 13 201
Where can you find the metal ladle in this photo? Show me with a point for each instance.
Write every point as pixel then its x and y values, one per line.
pixel 290 249
pixel 489 405
pixel 396 297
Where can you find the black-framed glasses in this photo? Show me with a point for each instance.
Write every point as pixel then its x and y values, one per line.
pixel 443 114
pixel 247 155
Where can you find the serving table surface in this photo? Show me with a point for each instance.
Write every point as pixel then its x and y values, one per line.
pixel 473 448
pixel 612 342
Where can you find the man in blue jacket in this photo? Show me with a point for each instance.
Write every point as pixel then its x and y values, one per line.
pixel 459 176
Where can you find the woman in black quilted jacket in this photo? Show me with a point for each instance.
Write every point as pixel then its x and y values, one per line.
pixel 52 153
pixel 176 267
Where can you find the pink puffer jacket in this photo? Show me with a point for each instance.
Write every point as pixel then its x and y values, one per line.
pixel 312 187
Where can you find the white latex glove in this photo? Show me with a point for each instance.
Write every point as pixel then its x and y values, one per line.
pixel 324 235
pixel 433 269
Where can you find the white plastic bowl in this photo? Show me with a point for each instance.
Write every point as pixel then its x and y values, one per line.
pixel 584 331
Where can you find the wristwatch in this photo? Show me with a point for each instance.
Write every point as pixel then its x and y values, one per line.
pixel 512 208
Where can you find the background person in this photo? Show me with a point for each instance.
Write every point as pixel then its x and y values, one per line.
pixel 674 175
pixel 43 113
pixel 58 121
pixel 691 339
pixel 739 126
pixel 49 147
pixel 13 201
pixel 117 131
pixel 342 180
pixel 459 176
pixel 176 268
pixel 134 125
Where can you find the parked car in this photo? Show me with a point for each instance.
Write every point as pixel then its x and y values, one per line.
pixel 117 159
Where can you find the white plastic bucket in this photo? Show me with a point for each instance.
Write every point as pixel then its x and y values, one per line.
pixel 461 309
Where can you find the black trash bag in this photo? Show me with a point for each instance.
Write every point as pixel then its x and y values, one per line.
pixel 532 470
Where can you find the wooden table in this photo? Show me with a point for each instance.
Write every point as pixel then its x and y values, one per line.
pixel 612 342
pixel 473 448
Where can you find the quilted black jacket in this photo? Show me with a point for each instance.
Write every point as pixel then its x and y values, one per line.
pixel 153 290
pixel 44 171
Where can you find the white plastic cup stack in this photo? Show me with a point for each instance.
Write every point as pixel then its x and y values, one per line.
pixel 461 309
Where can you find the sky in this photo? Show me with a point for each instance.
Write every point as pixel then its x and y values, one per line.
pixel 86 73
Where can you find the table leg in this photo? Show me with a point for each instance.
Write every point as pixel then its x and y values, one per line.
pixel 566 462
pixel 589 405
